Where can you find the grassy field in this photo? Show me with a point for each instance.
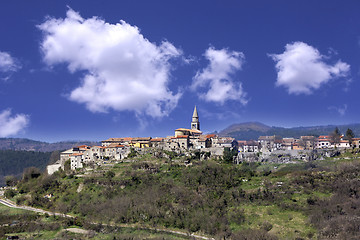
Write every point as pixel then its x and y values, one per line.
pixel 8 211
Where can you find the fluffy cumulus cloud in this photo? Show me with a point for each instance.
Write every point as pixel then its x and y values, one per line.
pixel 217 79
pixel 11 125
pixel 302 69
pixel 123 69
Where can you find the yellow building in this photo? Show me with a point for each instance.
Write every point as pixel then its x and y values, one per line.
pixel 140 142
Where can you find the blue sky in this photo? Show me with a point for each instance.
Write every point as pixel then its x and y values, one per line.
pixel 89 70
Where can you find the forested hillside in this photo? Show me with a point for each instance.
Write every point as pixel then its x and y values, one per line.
pixel 32 145
pixel 252 130
pixel 308 200
pixel 14 162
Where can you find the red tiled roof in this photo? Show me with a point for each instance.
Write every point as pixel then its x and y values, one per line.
pixel 124 139
pixel 77 154
pixel 127 139
pixel 156 139
pixel 82 146
pixel 210 135
pixel 182 136
pixel 114 145
pixel 141 139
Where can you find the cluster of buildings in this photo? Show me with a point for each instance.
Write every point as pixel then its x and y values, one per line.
pixel 189 139
pixel 274 143
pixel 184 140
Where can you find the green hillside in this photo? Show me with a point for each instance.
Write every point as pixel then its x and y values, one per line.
pixel 24 144
pixel 14 162
pixel 252 130
pixel 210 198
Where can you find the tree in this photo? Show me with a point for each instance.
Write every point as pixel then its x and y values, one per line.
pixel 229 154
pixel 335 136
pixel 31 173
pixel 109 174
pixel 349 135
pixel 10 180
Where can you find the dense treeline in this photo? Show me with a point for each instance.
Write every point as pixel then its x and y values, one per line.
pixel 14 162
pixel 252 131
pixel 209 197
pixel 20 144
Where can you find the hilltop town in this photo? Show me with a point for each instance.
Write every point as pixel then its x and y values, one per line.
pixel 189 140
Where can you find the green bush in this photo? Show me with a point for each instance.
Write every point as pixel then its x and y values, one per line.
pixel 10 193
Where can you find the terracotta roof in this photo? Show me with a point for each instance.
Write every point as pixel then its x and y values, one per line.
pixel 124 139
pixel 115 145
pixel 141 139
pixel 156 139
pixel 77 154
pixel 127 139
pixel 182 136
pixel 210 135
pixel 82 146
pixel 288 140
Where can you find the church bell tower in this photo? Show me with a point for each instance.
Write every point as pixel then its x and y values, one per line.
pixel 195 124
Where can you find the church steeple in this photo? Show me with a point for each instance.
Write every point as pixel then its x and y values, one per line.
pixel 195 124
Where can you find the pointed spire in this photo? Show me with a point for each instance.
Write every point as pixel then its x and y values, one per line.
pixel 195 124
pixel 195 114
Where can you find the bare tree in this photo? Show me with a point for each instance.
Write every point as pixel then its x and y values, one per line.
pixel 349 135
pixel 335 136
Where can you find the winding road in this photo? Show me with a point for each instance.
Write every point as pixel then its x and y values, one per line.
pixel 11 204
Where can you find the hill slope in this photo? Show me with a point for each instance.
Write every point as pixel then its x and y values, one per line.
pixel 252 130
pixel 14 162
pixel 32 145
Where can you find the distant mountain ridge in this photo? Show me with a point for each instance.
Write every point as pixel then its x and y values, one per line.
pixel 38 146
pixel 252 130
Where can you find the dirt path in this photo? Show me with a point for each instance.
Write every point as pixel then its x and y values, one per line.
pixel 77 230
pixel 11 204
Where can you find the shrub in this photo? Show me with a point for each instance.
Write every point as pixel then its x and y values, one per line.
pixel 266 226
pixel 109 174
pixel 237 216
pixel 10 193
pixel 31 173
pixel 10 181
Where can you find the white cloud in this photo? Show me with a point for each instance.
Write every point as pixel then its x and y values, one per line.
pixel 8 65
pixel 12 125
pixel 124 70
pixel 301 68
pixel 217 77
pixel 340 110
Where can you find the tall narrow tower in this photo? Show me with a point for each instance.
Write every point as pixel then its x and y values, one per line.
pixel 195 124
